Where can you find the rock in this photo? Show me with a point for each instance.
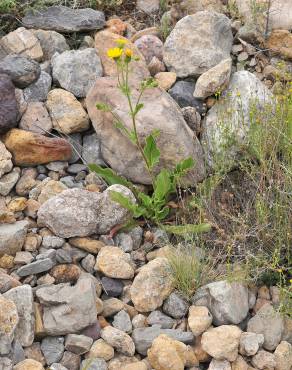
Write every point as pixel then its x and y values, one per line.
pixel 148 6
pixel 6 363
pixel 199 320
pixel 71 360
pixel 192 118
pixel 135 366
pixel 29 148
pixel 77 70
pixel 5 160
pixel 143 337
pixel 101 349
pixel 112 306
pixel 65 273
pixel 51 42
pixel 66 111
pixel 160 319
pixel 78 344
pixel 23 258
pixel 22 42
pixel 227 302
pixel 12 237
pixel 121 341
pixel 8 104
pixel 155 66
pixel 197 43
pixel 167 354
pixel 87 244
pixel 116 25
pixel 175 306
pixel 114 263
pixel 215 80
pixel 122 322
pixel 53 349
pixel 35 267
pixel 68 309
pixel 56 366
pixel 165 79
pixel 94 364
pixel 22 296
pixel 105 40
pixel 222 342
pixel 280 42
pixel 38 90
pixel 219 365
pixel 8 322
pixel 150 46
pixel 175 144
pixel 151 286
pixel 28 364
pixel 26 182
pixel 50 189
pixel 183 93
pixel 8 181
pixel 283 356
pixel 112 287
pixel 23 71
pixel 65 19
pixel 91 149
pixel 7 282
pixel 245 90
pixel 194 6
pixel 264 360
pixel 250 343
pixel 36 119
pixel 269 323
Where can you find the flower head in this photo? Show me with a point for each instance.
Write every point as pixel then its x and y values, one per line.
pixel 129 53
pixel 121 42
pixel 115 53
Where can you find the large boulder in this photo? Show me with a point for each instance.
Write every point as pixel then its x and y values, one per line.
pixel 68 309
pixel 8 104
pixel 29 148
pixel 227 124
pixel 78 212
pixel 227 302
pixel 77 70
pixel 197 43
pixel 64 19
pixel 176 140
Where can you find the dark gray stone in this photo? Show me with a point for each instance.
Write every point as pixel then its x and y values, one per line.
pixel 78 344
pixel 71 360
pixel 23 71
pixel 91 149
pixel 38 90
pixel 8 104
pixel 92 331
pixel 53 349
pixel 175 306
pixel 112 287
pixel 122 322
pixel 65 19
pixel 35 267
pixel 159 318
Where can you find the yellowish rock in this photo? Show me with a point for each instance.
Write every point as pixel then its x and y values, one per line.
pixel 17 204
pixel 39 329
pixel 135 366
pixel 87 244
pixel 283 356
pixel 165 79
pixel 199 320
pixel 101 349
pixel 280 42
pixel 6 261
pixel 29 364
pixel 50 189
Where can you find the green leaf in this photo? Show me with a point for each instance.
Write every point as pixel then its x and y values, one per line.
pixel 119 125
pixel 145 199
pixel 151 151
pixel 126 203
pixel 103 107
pixel 109 175
pixel 182 167
pixel 187 229
pixel 162 213
pixel 138 108
pixel 162 185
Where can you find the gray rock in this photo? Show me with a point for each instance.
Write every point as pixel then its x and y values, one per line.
pixel 70 182
pixel 76 168
pixel 22 296
pixel 53 349
pixel 112 287
pixel 56 366
pixel 269 323
pixel 227 302
pixel 8 322
pixel 197 43
pixel 148 6
pixel 23 71
pixel 8 104
pixel 233 111
pixel 182 92
pixel 36 119
pixel 143 337
pixel 71 360
pixel 78 344
pixel 38 90
pixel 35 267
pixel 91 149
pixel 250 343
pixel 124 241
pixel 51 42
pixel 68 309
pixel 8 181
pixel 75 141
pixel 6 164
pixel 121 341
pixel 52 241
pixel 122 322
pixel 150 47
pixel 94 364
pixel 6 363
pixel 160 319
pixel 63 256
pixel 65 19
pixel 17 353
pixel 88 263
pixel 77 70
pixel 44 254
pixel 175 306
pixel 12 237
pixel 23 258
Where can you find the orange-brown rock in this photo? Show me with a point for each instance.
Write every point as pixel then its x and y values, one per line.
pixel 280 42
pixel 65 273
pixel 29 149
pixel 115 25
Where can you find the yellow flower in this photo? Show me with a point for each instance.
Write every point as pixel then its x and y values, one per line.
pixel 114 53
pixel 291 281
pixel 121 42
pixel 129 53
pixel 280 270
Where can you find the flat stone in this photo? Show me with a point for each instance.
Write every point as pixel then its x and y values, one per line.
pixel 77 70
pixel 22 296
pixel 121 341
pixel 87 244
pixel 23 258
pixel 65 19
pixel 38 90
pixel 78 344
pixel 36 119
pixel 53 349
pixel 143 337
pixel 91 149
pixel 35 267
pixel 158 318
pixel 12 237
pixel 23 71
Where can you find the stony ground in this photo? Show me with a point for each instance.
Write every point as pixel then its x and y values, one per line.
pixel 74 293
